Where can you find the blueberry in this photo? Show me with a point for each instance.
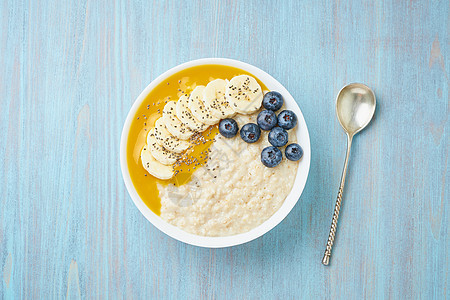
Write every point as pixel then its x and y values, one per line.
pixel 271 156
pixel 287 119
pixel 273 101
pixel 278 137
pixel 267 119
pixel 228 128
pixel 250 132
pixel 293 152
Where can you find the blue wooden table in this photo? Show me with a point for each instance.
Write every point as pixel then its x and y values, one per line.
pixel 71 70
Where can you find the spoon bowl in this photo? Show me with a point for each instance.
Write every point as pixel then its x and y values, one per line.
pixel 355 106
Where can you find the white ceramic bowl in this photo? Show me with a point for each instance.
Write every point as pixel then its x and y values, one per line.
pixel 292 198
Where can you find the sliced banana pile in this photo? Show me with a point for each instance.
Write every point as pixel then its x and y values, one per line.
pixel 194 113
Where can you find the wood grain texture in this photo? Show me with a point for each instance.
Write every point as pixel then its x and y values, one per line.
pixel 72 69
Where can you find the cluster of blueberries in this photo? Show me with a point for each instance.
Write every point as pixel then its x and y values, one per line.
pixel 267 120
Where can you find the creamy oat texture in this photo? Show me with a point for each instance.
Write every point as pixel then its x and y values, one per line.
pixel 234 192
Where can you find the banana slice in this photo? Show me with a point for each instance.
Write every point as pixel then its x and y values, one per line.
pixel 186 117
pixel 153 166
pixel 199 109
pixel 173 124
pixel 159 152
pixel 215 101
pixel 244 94
pixel 167 140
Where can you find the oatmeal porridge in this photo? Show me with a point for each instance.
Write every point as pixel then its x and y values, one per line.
pixel 233 193
pixel 212 151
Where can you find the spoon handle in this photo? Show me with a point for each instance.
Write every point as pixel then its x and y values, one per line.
pixel 326 256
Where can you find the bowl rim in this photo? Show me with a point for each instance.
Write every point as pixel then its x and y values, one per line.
pixel 277 217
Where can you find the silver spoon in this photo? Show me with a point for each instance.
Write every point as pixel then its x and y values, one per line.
pixel 355 105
